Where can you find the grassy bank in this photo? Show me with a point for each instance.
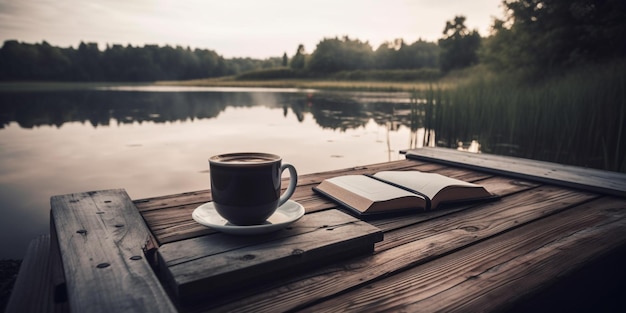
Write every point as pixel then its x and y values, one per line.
pixel 360 80
pixel 307 84
pixel 576 117
pixel 28 86
pixel 371 80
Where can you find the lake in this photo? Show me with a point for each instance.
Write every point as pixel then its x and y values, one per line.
pixel 155 140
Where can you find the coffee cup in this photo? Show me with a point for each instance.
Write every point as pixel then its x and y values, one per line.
pixel 246 186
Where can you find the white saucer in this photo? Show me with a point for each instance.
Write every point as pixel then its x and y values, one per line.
pixel 286 214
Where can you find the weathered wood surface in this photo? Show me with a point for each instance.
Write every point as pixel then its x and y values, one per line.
pixel 496 274
pixel 209 266
pixel 414 241
pixel 606 182
pixel 541 246
pixel 57 274
pixel 33 289
pixel 412 245
pixel 102 238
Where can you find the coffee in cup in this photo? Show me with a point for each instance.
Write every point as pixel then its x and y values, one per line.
pixel 246 186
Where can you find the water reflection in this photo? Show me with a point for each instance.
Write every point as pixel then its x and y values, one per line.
pixel 157 142
pixel 100 107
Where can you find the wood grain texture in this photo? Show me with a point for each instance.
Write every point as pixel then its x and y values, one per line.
pixel 494 274
pixel 33 289
pixel 212 265
pixel 502 255
pixel 605 182
pixel 101 238
pixel 57 274
pixel 419 244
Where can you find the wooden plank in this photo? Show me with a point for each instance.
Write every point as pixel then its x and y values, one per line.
pixel 210 266
pixel 33 289
pixel 425 242
pixel 605 182
pixel 102 239
pixel 57 275
pixel 499 273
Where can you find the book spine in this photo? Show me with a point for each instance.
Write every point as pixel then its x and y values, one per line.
pixel 426 198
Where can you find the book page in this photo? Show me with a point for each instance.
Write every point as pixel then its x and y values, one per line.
pixel 369 188
pixel 427 183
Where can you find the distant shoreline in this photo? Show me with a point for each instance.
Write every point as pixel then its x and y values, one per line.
pixel 350 85
pixel 17 86
pixel 389 86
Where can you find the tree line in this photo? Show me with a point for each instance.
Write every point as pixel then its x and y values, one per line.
pixel 346 54
pixel 42 61
pixel 533 36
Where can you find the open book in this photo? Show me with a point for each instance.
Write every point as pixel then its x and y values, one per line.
pixel 396 191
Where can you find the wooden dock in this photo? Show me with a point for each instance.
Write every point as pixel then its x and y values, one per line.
pixel 555 241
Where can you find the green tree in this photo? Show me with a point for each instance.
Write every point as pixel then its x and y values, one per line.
pixel 285 59
pixel 425 54
pixel 459 45
pixel 17 61
pixel 398 55
pixel 553 34
pixel 22 61
pixel 87 66
pixel 51 61
pixel 298 60
pixel 384 55
pixel 332 55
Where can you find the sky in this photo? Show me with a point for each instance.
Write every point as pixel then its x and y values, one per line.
pixel 236 28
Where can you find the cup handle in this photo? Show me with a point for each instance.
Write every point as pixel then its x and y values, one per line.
pixel 293 181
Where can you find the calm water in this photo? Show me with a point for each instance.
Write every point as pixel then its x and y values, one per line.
pixel 155 141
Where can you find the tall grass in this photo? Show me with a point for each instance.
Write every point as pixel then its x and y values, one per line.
pixel 573 118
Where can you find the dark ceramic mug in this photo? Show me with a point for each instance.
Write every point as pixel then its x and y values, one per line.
pixel 246 186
